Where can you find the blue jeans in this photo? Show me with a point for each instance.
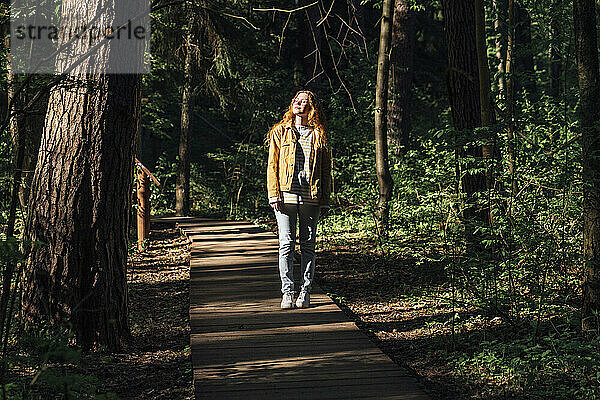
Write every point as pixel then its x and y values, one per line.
pixel 286 226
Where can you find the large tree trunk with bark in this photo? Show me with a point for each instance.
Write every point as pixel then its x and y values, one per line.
pixel 381 150
pixel 586 49
pixel 80 200
pixel 462 79
pixel 401 74
pixel 462 75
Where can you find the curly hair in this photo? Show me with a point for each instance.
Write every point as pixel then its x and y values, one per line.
pixel 316 119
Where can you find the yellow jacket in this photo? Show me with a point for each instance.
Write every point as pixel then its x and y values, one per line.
pixel 280 166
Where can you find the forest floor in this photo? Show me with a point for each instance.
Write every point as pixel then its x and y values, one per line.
pixel 155 362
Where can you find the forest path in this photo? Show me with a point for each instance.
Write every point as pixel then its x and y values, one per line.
pixel 244 346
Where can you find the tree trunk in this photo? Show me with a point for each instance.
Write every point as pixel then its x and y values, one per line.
pixel 554 53
pixel 381 96
pixel 488 114
pixel 81 197
pixel 586 49
pixel 18 139
pixel 510 98
pixel 33 125
pixel 501 17
pixel 462 75
pixel 524 56
pixel 462 79
pixel 401 75
pixel 182 187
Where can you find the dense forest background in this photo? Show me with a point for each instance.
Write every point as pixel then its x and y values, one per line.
pixel 485 200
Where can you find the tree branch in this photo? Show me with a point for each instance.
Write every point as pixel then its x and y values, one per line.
pixel 285 11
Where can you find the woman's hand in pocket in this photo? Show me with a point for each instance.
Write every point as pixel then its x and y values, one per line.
pixel 277 205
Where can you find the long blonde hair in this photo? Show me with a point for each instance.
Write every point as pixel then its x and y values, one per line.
pixel 316 119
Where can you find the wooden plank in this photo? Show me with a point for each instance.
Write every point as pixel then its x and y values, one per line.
pixel 272 290
pixel 293 381
pixel 225 258
pixel 298 374
pixel 251 272
pixel 326 342
pixel 357 358
pixel 328 328
pixel 233 326
pixel 201 271
pixel 233 283
pixel 315 394
pixel 203 355
pixel 259 314
pixel 212 296
pixel 332 389
pixel 206 298
pixel 233 340
pixel 307 314
pixel 271 304
pixel 388 378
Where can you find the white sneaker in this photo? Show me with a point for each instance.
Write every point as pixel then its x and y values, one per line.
pixel 303 300
pixel 288 299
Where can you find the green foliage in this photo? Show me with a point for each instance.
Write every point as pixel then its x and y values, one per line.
pixel 10 252
pixel 526 272
pixel 560 365
pixel 48 351
pixel 237 173
pixel 163 200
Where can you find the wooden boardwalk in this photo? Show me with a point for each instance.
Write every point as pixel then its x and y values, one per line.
pixel 244 346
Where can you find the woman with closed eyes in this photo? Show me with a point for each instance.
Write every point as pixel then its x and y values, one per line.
pixel 299 188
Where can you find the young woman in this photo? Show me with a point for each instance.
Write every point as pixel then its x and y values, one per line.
pixel 298 186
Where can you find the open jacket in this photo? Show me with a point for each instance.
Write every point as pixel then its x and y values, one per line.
pixel 280 166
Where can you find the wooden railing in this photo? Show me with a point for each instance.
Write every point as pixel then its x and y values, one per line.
pixel 143 202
